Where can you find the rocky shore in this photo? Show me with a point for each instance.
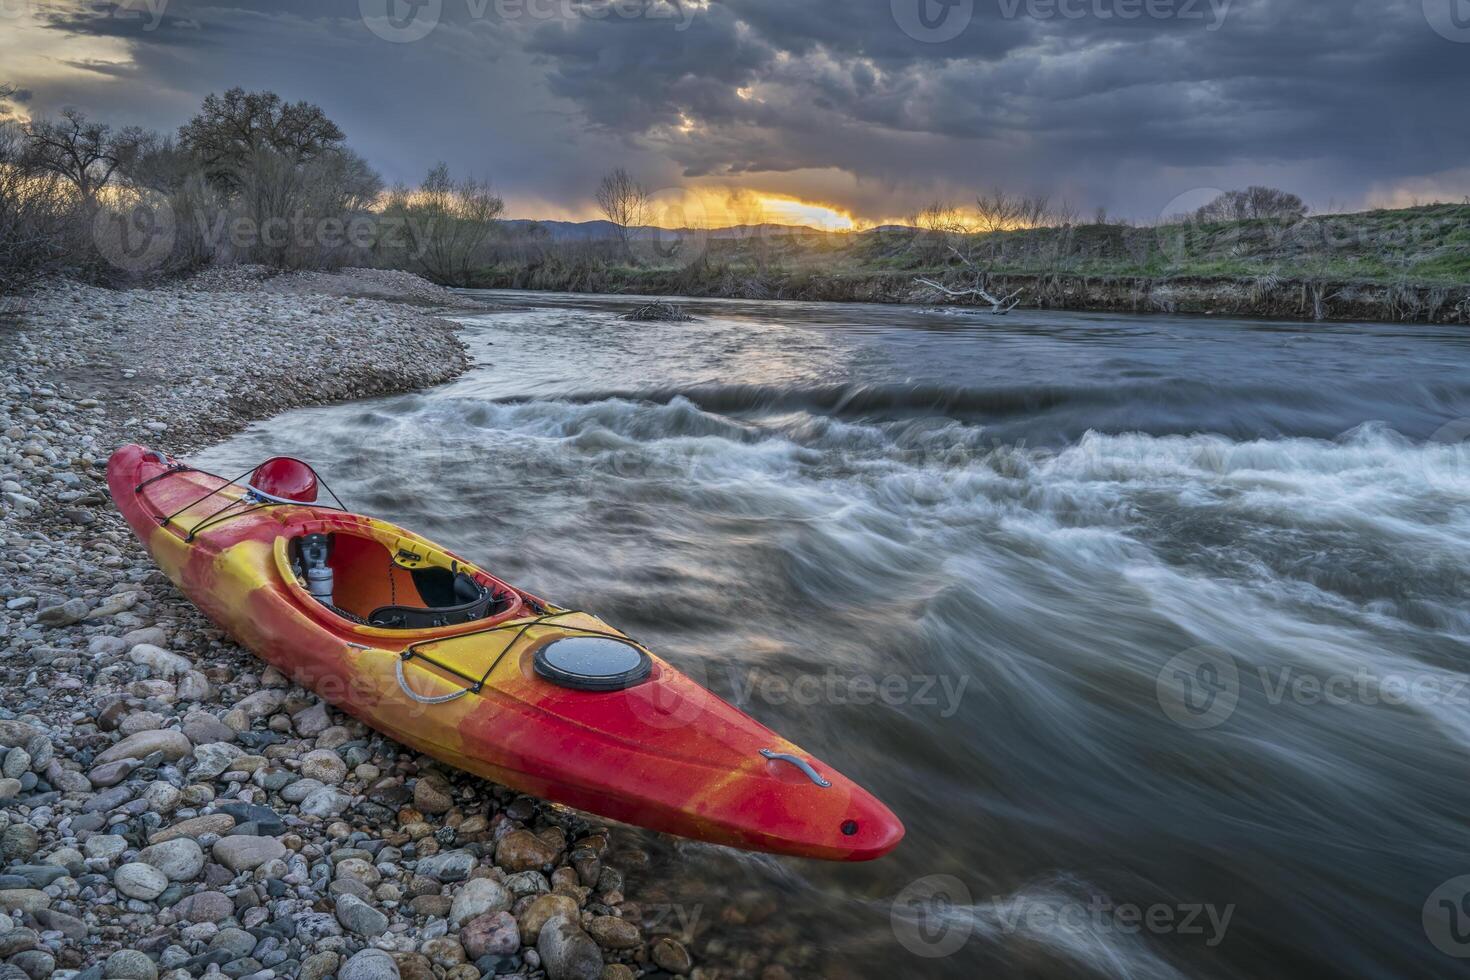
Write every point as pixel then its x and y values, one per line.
pixel 170 806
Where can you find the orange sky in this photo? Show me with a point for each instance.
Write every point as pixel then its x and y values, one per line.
pixel 699 206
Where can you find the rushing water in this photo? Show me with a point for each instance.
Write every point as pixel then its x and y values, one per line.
pixel 1152 630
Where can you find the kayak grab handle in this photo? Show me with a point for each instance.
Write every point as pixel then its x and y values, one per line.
pixel 799 763
pixel 420 698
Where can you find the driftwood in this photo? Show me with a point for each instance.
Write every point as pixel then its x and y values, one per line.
pixel 659 311
pixel 998 306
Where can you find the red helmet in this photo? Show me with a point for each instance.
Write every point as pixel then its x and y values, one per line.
pixel 282 476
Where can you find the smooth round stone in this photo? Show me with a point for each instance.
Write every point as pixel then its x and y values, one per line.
pixel 370 964
pixel 129 964
pixel 104 847
pixel 179 860
pixel 141 881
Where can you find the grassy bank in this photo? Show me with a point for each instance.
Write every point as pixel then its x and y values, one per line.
pixel 1410 265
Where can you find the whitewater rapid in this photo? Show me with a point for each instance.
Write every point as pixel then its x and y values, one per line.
pixel 1033 531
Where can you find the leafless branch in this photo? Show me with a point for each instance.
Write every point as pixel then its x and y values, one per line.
pixel 1000 307
pixel 623 200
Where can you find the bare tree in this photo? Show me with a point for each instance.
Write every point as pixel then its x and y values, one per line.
pixel 945 220
pixel 944 230
pixel 38 216
pixel 84 154
pixel 282 167
pixel 623 200
pixel 447 223
pixel 1254 203
pixel 231 131
pixel 1001 211
pixel 157 164
pixel 1064 214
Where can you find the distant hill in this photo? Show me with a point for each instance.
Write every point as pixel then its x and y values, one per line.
pixel 583 231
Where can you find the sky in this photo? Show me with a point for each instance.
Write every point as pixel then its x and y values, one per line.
pixel 810 111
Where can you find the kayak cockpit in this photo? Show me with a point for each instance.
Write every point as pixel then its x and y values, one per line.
pixel 376 576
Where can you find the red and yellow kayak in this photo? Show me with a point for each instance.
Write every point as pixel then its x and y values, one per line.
pixel 444 657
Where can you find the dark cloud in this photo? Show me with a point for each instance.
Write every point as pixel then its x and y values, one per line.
pixel 1335 98
pixel 143 21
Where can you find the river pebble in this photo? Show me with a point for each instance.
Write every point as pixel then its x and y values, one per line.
pixel 169 804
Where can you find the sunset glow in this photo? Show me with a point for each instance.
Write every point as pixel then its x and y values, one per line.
pixel 710 207
pixel 789 211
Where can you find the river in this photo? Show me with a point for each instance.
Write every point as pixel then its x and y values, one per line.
pixel 1152 630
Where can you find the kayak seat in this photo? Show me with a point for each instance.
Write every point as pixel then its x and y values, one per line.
pixel 450 598
pixel 408 590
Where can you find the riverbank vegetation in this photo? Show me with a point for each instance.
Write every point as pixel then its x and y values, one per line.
pixel 252 178
pixel 1397 265
pixel 1428 244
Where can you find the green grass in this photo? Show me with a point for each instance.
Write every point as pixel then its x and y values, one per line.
pixel 1427 246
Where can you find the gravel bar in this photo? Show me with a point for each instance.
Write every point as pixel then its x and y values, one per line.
pixel 170 806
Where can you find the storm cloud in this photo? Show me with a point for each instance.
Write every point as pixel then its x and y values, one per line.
pixel 873 105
